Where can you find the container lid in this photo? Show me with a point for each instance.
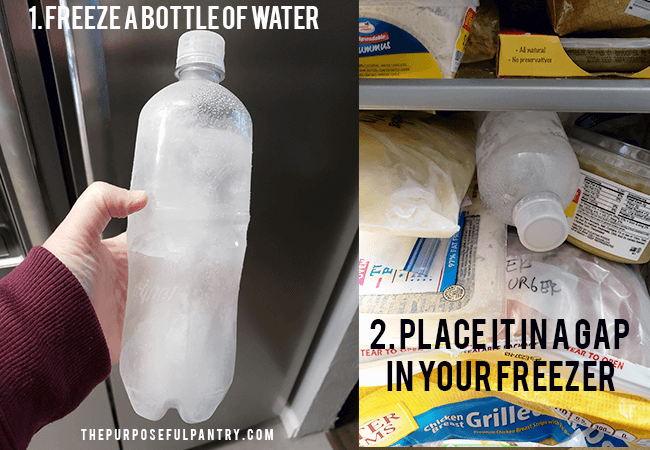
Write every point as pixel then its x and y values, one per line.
pixel 540 221
pixel 618 154
pixel 201 47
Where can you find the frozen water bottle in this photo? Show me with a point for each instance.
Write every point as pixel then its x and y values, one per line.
pixel 527 173
pixel 186 248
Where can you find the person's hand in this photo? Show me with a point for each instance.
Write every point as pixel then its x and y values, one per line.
pixel 100 265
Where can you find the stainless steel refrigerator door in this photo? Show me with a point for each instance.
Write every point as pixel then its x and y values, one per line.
pixel 34 195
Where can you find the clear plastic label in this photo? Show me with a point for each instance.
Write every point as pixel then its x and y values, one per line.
pixel 541 285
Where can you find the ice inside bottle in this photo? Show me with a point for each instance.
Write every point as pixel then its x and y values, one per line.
pixel 186 247
pixel 527 174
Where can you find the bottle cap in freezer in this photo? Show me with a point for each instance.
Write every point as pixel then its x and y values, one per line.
pixel 540 221
pixel 201 46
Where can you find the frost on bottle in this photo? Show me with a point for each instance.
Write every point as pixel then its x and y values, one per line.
pixel 527 174
pixel 186 247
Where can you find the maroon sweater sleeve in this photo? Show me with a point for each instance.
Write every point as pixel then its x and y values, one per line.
pixel 52 349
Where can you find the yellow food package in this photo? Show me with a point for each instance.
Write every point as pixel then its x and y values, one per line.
pixel 450 404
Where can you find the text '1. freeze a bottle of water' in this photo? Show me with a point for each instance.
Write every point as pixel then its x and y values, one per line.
pixel 186 247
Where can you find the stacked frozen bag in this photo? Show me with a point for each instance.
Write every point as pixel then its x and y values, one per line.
pixel 420 234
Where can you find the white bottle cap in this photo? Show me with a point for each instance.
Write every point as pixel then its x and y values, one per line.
pixel 540 221
pixel 201 46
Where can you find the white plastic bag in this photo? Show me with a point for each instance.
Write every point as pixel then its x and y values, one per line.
pixel 579 285
pixel 469 285
pixel 414 169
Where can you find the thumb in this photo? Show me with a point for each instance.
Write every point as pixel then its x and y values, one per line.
pixel 99 203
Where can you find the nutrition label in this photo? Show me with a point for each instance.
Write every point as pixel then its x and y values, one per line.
pixel 610 217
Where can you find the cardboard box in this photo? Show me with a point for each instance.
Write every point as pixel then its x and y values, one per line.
pixel 536 55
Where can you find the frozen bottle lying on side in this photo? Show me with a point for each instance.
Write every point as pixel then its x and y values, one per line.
pixel 186 248
pixel 527 174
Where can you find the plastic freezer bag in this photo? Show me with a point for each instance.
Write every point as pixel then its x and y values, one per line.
pixel 414 169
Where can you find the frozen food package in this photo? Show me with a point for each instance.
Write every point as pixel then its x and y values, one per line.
pixel 579 285
pixel 461 277
pixel 414 169
pixel 413 38
pixel 421 256
pixel 395 251
pixel 579 16
pixel 565 284
pixel 434 418
pixel 608 54
pixel 483 39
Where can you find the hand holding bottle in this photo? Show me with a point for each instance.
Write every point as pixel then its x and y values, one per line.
pixel 100 265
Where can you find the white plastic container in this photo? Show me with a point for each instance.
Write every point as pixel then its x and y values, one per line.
pixel 610 214
pixel 186 248
pixel 527 174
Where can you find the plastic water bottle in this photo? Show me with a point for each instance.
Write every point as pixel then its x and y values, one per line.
pixel 528 174
pixel 186 247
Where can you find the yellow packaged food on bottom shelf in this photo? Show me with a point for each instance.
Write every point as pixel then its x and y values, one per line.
pixel 435 406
